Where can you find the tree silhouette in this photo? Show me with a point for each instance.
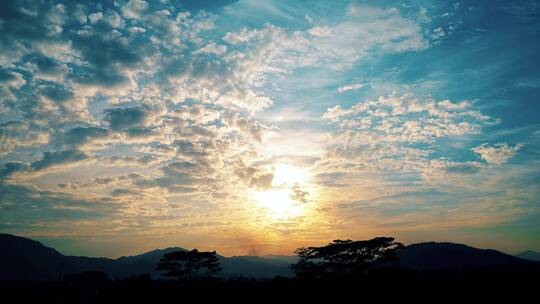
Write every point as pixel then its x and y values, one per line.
pixel 346 257
pixel 188 265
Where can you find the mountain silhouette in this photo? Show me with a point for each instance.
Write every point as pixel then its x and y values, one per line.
pixel 26 259
pixel 263 267
pixel 437 256
pixel 529 255
pixel 291 259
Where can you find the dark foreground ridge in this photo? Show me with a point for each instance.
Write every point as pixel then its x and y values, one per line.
pixel 378 267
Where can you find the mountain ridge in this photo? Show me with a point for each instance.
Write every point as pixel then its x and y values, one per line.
pixel 25 259
pixel 529 255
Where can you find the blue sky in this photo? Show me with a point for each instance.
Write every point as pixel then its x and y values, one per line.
pixel 255 127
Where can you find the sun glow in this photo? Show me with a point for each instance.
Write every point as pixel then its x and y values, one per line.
pixel 289 175
pixel 280 201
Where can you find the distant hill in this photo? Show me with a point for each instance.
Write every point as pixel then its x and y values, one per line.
pixel 433 256
pixel 529 255
pixel 263 267
pixel 25 259
pixel 250 266
pixel 290 259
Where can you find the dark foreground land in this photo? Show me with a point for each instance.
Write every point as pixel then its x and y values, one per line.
pixel 513 285
pixel 379 269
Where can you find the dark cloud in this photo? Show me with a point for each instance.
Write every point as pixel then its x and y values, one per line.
pixel 24 21
pixel 195 168
pixel 119 192
pixel 56 92
pixel 463 168
pixel 32 206
pixel 7 76
pixel 105 57
pixel 46 66
pixel 253 176
pixel 51 159
pixel 193 149
pixel 183 176
pixel 124 118
pixel 298 194
pixel 181 189
pixel 122 160
pixel 177 177
pixel 263 181
pixel 81 135
pixel 12 167
pixel 140 132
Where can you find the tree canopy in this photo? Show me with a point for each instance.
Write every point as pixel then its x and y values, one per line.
pixel 190 265
pixel 346 257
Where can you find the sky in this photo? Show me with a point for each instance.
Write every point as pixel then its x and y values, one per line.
pixel 256 127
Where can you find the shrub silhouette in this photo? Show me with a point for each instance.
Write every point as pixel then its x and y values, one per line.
pixel 187 265
pixel 346 258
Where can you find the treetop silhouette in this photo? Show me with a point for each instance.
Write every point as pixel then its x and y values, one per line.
pixel 346 257
pixel 190 265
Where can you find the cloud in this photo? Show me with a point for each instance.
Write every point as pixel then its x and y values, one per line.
pixel 54 159
pixel 27 22
pixel 81 136
pixel 408 118
pixel 400 134
pixel 245 125
pixel 338 46
pixel 299 195
pixel 437 168
pixel 18 134
pixel 127 117
pixel 254 176
pixel 466 168
pixel 56 92
pixel 33 206
pixel 10 83
pixel 120 192
pixel 46 68
pixel 49 162
pixel 184 176
pixel 498 154
pixel 9 168
pixel 351 87
pixel 134 8
pixel 122 160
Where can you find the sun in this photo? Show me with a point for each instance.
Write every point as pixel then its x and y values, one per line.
pixel 279 201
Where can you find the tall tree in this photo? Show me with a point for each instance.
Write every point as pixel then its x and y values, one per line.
pixel 190 265
pixel 346 257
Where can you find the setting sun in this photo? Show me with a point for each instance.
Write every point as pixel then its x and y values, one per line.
pixel 281 201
